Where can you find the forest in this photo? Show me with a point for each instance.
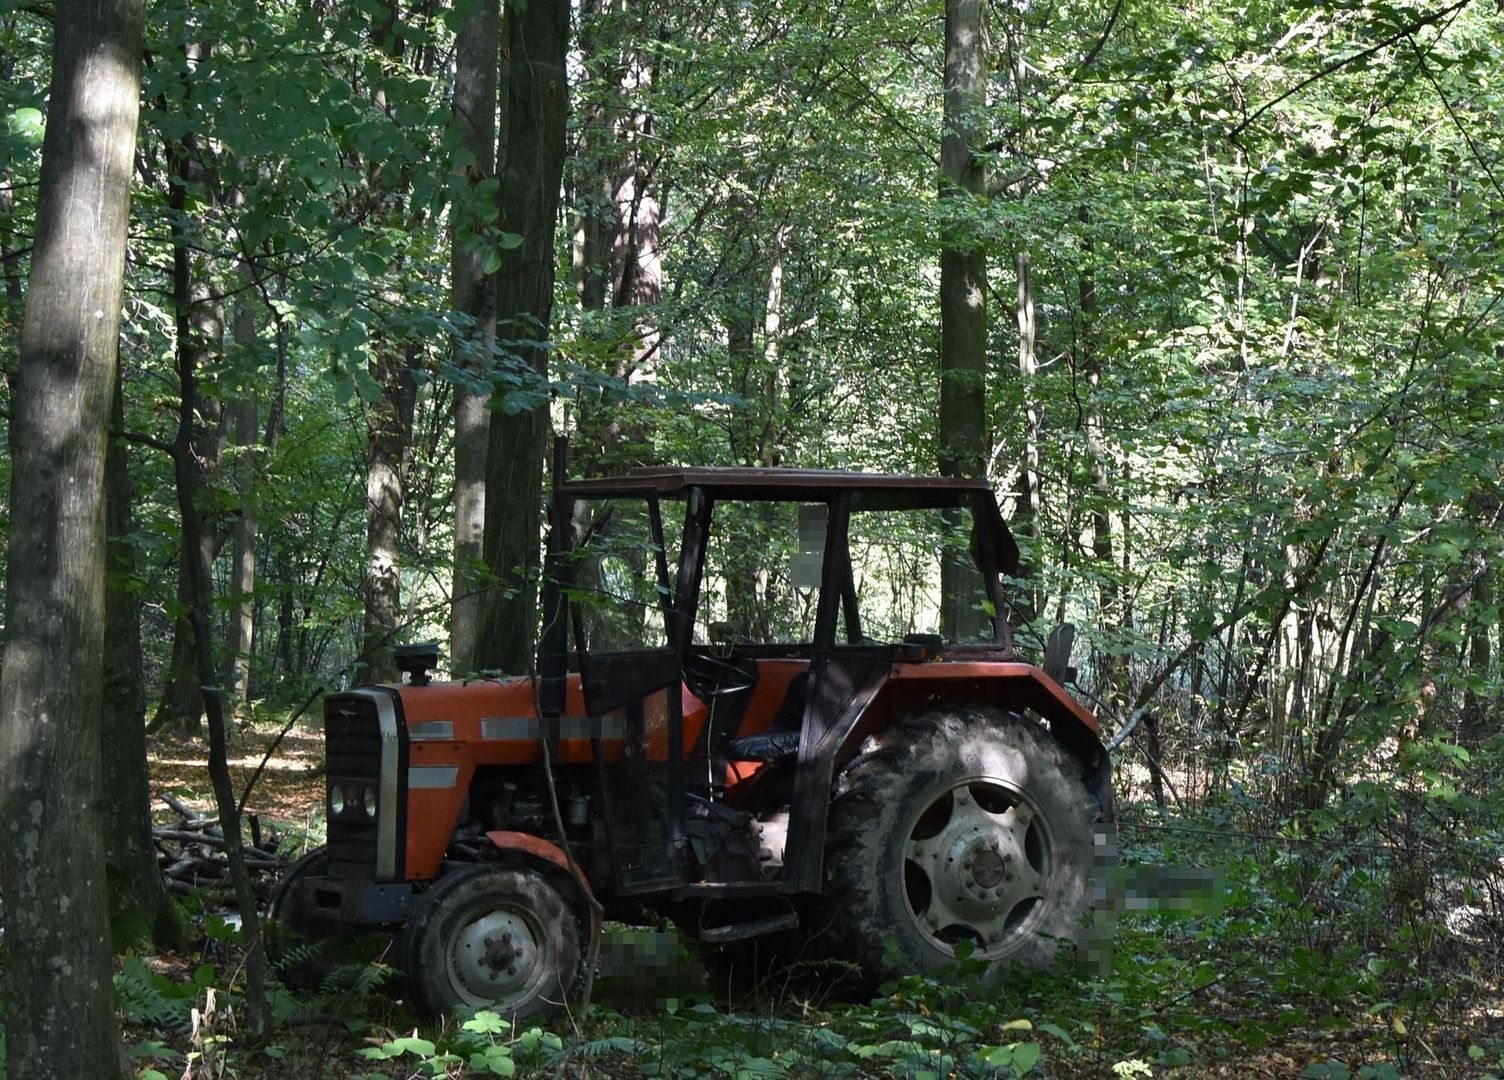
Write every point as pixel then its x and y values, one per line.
pixel 303 303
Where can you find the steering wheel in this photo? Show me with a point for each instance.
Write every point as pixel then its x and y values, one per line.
pixel 711 677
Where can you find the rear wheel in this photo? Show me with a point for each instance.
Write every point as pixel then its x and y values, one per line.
pixel 490 936
pixel 964 824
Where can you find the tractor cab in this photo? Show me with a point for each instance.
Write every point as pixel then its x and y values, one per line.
pixel 749 618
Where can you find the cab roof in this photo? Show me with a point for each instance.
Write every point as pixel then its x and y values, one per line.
pixel 873 491
pixel 743 483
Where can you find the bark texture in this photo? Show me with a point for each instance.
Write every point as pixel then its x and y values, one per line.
pixel 618 250
pixel 59 1001
pixel 963 289
pixel 477 68
pixel 389 425
pixel 243 430
pixel 537 105
pixel 199 319
pixel 140 910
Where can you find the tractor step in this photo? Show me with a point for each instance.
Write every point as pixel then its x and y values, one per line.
pixel 719 935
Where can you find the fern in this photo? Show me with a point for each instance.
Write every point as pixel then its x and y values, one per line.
pixel 355 979
pixel 612 1044
pixel 151 999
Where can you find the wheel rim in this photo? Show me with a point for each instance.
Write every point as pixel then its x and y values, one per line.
pixel 976 865
pixel 495 959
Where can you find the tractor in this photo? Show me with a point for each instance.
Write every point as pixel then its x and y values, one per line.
pixel 781 708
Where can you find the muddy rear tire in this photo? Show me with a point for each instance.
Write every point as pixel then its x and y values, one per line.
pixel 961 824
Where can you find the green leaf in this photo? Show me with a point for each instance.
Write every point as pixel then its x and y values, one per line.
pixel 410 1045
pixel 27 124
pixel 485 1022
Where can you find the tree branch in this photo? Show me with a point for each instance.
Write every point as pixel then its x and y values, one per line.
pixel 1091 54
pixel 1338 65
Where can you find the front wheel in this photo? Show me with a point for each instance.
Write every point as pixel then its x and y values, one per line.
pixel 490 936
pixel 964 824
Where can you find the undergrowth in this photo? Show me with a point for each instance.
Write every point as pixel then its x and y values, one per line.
pixel 1357 942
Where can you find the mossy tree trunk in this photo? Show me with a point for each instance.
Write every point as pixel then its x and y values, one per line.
pixel 59 1011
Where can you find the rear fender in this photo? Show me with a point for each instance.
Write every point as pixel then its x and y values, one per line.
pixel 913 687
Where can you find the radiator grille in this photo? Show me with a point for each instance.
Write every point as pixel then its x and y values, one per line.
pixel 352 747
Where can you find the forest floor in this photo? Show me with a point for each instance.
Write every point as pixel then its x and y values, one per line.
pixel 1261 987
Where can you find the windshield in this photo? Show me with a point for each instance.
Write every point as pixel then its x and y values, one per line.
pixel 761 582
pixel 616 573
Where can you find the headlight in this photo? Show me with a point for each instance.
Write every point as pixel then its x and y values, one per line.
pixel 368 802
pixel 336 800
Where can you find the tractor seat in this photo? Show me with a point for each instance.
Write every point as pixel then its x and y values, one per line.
pixel 781 744
pixel 771 747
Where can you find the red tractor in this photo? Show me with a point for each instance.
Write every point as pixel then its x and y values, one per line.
pixel 794 721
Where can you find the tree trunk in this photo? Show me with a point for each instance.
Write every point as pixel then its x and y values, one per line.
pixel 12 297
pixel 637 266
pixel 1026 513
pixel 617 250
pixel 963 292
pixel 286 617
pixel 595 226
pixel 59 1001
pixel 389 426
pixel 140 910
pixel 537 39
pixel 198 556
pixel 1477 704
pixel 243 425
pixel 200 336
pixel 1477 701
pixel 477 63
pixel 770 429
pixel 1112 596
pixel 389 419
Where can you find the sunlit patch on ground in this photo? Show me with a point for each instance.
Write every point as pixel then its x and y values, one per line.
pixel 288 793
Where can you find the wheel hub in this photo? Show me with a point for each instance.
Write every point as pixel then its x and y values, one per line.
pixel 494 957
pixel 987 866
pixel 975 866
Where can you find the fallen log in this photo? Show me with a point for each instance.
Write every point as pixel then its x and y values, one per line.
pixel 190 853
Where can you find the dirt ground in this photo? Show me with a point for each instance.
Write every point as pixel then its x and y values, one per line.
pixel 288 793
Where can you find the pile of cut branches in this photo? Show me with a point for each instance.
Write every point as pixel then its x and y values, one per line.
pixel 191 853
